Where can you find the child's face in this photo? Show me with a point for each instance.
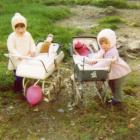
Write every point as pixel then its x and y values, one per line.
pixel 105 45
pixel 20 29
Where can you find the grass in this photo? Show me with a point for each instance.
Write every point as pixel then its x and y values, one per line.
pixel 115 3
pixel 40 22
pixel 93 122
pixel 133 80
pixel 6 77
pixel 100 3
pixel 111 22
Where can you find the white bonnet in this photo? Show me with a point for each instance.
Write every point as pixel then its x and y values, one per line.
pixel 18 18
pixel 109 34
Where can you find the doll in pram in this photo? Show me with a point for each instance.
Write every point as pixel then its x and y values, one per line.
pixel 84 49
pixel 41 69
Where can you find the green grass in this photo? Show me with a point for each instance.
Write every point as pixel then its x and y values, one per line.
pixel 67 2
pixel 100 3
pixel 95 122
pixel 111 22
pixel 110 19
pixel 6 77
pixel 133 79
pixel 40 23
pixel 115 3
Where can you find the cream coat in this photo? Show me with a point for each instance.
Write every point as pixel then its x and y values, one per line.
pixel 119 67
pixel 19 46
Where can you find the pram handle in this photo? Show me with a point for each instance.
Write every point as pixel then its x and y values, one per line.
pixel 99 59
pixel 24 57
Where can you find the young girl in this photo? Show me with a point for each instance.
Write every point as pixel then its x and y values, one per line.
pixel 19 43
pixel 119 68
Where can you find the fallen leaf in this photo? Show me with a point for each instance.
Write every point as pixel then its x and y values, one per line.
pixel 132 119
pixel 131 125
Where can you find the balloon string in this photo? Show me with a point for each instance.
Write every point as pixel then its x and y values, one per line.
pixel 36 82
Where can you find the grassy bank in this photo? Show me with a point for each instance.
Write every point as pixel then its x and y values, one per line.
pixel 54 120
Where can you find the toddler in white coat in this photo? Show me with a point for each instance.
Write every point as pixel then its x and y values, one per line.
pixel 20 43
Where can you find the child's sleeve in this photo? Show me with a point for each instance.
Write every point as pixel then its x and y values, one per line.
pixel 11 46
pixel 113 54
pixel 99 54
pixel 32 44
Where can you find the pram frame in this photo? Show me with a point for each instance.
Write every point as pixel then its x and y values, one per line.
pixel 77 94
pixel 46 91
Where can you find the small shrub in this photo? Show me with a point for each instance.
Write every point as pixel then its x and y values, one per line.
pixel 133 6
pixel 57 2
pixel 110 20
pixel 115 3
pixel 107 22
pixel 82 2
pixel 133 80
pixel 64 36
pixel 6 77
pixel 1 8
pixel 135 24
pixel 100 27
pixel 3 49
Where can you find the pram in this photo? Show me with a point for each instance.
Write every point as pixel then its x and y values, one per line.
pixel 39 69
pixel 84 72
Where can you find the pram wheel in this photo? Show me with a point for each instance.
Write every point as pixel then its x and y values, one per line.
pixel 102 88
pixel 77 93
pixel 53 91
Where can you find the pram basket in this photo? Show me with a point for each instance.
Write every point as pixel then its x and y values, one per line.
pixel 90 75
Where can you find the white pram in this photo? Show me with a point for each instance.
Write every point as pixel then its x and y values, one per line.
pixel 83 72
pixel 40 68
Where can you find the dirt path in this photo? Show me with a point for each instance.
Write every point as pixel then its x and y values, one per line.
pixel 54 120
pixel 86 17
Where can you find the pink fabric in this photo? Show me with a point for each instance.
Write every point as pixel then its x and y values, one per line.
pixel 81 49
pixel 119 67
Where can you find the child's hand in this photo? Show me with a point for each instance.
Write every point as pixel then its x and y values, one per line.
pixel 19 58
pixel 91 62
pixel 32 54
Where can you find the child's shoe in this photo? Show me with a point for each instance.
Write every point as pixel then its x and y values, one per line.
pixel 113 102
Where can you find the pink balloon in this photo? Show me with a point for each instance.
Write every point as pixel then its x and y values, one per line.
pixel 34 94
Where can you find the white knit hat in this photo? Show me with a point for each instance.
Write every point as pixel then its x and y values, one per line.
pixel 109 34
pixel 18 18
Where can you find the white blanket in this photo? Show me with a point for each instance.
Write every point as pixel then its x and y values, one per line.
pixel 37 67
pixel 82 63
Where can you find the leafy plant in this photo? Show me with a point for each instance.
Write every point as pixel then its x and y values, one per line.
pixel 6 77
pixel 111 22
pixel 115 3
